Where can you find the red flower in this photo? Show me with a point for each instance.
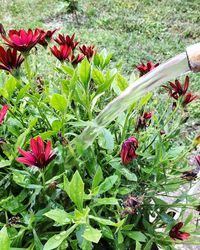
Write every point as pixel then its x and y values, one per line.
pixel 63 53
pixel 75 60
pixel 147 115
pixel 175 232
pixel 45 36
pixel 39 156
pixel 189 98
pixel 2 30
pixel 22 40
pixel 197 158
pixel 144 69
pixel 176 90
pixel 88 51
pixel 3 112
pixel 67 40
pixel 143 120
pixel 128 150
pixel 9 60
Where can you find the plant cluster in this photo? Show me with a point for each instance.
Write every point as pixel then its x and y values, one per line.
pixel 57 193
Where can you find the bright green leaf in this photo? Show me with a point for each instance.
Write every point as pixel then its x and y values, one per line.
pixel 59 216
pixel 92 234
pixel 76 190
pixel 137 236
pixel 4 239
pixel 59 102
pixel 56 240
pixel 84 72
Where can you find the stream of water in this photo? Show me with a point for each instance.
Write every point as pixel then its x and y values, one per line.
pixel 169 70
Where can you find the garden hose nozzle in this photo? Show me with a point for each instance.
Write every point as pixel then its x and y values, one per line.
pixel 193 54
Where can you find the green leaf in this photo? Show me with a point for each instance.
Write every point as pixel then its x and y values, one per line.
pixel 97 178
pixel 37 242
pixel 92 234
pixel 120 238
pixel 105 139
pixel 76 190
pixel 56 240
pixel 137 236
pixel 124 171
pixel 107 232
pixel 59 102
pixel 138 246
pixel 84 72
pixel 145 99
pixel 128 174
pixel 68 70
pixel 121 82
pixel 167 218
pixel 4 239
pixel 97 76
pixel 10 86
pixel 21 139
pixel 107 184
pixel 103 221
pixel 59 216
pixel 106 201
pixel 5 163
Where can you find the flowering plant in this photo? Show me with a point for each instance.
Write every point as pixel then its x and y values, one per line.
pixel 57 193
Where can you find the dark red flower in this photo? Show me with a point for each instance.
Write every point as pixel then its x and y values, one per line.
pixel 143 121
pixel 22 40
pixel 46 36
pixel 39 156
pixel 189 98
pixel 61 53
pixel 147 115
pixel 175 232
pixel 67 40
pixel 3 112
pixel 176 90
pixel 9 60
pixel 88 51
pixel 144 69
pixel 76 59
pixel 2 30
pixel 128 150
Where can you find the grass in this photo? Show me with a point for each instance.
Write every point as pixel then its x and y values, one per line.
pixel 133 30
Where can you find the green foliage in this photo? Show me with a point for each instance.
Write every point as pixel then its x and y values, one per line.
pixel 79 201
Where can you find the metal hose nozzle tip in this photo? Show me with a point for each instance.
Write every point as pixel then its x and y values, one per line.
pixel 193 54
